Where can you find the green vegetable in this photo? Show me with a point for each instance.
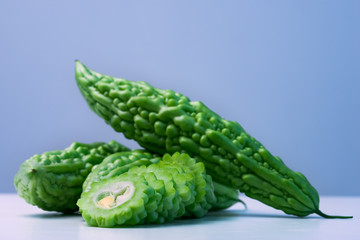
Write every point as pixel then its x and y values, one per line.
pixel 204 188
pixel 165 121
pixel 53 180
pixel 121 200
pixel 174 187
pixel 119 163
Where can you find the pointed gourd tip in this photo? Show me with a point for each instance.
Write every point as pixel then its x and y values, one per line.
pixel 81 71
pixel 78 65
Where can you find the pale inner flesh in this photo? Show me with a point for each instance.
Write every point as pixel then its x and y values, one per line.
pixel 114 195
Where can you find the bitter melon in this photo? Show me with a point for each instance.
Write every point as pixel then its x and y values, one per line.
pixel 120 163
pixel 53 180
pixel 156 193
pixel 164 121
pixel 117 164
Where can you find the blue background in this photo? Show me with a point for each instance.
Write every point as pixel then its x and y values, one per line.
pixel 287 71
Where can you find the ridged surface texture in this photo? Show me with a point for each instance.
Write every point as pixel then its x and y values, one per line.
pixel 53 180
pixel 119 163
pixel 164 121
pixel 174 187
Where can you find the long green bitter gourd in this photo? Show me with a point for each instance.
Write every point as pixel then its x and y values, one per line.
pixel 174 187
pixel 53 180
pixel 166 121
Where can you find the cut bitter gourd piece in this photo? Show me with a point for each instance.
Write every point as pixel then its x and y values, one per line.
pixel 53 180
pixel 121 162
pixel 173 191
pixel 120 200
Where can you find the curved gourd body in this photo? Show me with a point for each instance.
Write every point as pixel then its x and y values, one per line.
pixel 164 121
pixel 53 180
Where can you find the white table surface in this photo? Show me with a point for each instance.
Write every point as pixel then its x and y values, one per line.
pixel 19 220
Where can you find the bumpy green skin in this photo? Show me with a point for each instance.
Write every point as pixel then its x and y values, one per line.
pixel 176 187
pixel 179 190
pixel 53 180
pixel 204 188
pixel 199 192
pixel 165 121
pixel 119 163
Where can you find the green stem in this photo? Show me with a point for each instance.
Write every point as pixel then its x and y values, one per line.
pixel 328 216
pixel 240 201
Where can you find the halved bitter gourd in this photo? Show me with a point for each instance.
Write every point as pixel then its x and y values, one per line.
pixel 170 192
pixel 119 163
pixel 141 195
pixel 116 201
pixel 53 180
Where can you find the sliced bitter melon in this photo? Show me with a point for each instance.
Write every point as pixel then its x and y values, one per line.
pixel 120 200
pixel 176 186
pixel 119 163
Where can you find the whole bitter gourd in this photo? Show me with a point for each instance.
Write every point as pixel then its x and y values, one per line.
pixel 174 187
pixel 166 121
pixel 53 180
pixel 119 163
